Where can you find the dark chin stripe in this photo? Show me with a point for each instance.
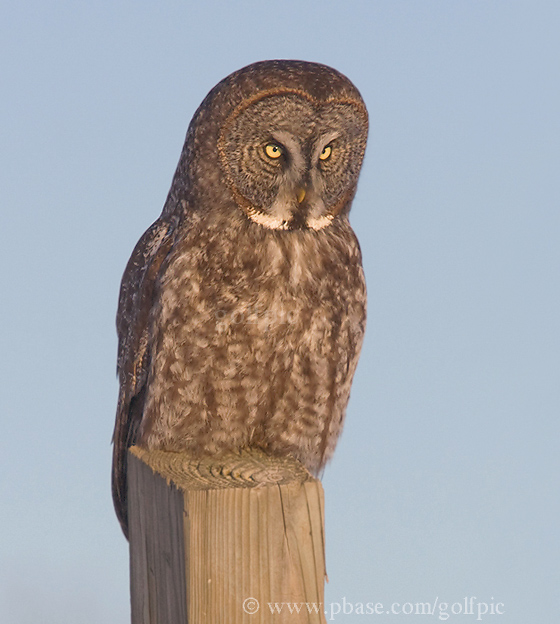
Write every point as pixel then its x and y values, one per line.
pixel 298 222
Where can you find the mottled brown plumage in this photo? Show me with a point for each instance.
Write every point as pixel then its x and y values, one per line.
pixel 242 309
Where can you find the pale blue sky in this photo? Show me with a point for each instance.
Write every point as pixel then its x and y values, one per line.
pixel 445 482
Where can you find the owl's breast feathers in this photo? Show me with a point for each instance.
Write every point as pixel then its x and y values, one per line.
pixel 253 341
pixel 225 342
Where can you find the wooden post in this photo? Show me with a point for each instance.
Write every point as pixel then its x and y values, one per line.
pixel 239 540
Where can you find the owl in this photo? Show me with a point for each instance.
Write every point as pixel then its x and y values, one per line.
pixel 242 308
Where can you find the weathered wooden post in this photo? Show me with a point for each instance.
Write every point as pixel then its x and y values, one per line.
pixel 235 540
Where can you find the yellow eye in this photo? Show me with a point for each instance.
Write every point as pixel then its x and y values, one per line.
pixel 273 151
pixel 327 150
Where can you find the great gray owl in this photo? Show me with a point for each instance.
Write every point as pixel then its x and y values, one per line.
pixel 242 309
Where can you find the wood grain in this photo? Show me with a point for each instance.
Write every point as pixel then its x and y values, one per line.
pixel 211 538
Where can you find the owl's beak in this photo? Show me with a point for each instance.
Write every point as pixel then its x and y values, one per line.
pixel 300 193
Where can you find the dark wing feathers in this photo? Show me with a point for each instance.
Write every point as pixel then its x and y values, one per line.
pixel 135 303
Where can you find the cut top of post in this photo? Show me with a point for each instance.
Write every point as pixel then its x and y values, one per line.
pixel 246 469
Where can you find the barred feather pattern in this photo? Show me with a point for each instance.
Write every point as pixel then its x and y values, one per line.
pixel 255 349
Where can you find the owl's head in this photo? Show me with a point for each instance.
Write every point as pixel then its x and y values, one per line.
pixel 285 140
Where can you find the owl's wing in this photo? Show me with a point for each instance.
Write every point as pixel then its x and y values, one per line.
pixel 135 304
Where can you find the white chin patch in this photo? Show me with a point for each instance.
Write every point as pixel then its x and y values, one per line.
pixel 271 222
pixel 274 222
pixel 318 223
